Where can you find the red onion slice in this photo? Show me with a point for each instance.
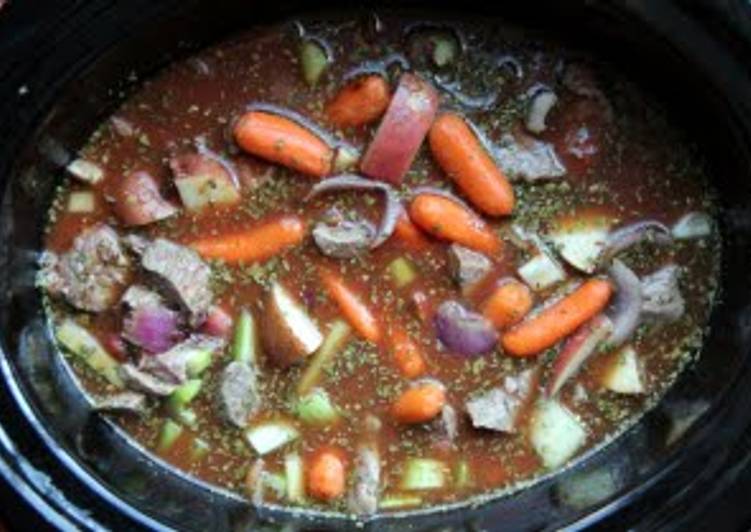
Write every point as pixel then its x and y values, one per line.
pixel 152 328
pixel 463 331
pixel 577 349
pixel 630 235
pixel 391 211
pixel 625 309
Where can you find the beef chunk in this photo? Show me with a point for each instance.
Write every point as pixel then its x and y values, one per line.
pixel 92 275
pixel 142 381
pixel 468 266
pixel 498 408
pixel 341 238
pixel 123 402
pixel 138 295
pixel 238 393
pixel 183 275
pixel 524 157
pixel 363 496
pixel 662 298
pixel 175 364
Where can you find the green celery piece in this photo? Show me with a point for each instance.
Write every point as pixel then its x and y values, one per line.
pixel 402 272
pixel 313 60
pixel 169 434
pixel 332 344
pixel 244 346
pixel 83 344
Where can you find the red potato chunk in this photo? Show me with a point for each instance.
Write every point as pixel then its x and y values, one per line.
pixel 401 131
pixel 202 181
pixel 139 202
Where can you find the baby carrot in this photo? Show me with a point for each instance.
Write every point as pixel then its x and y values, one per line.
pixel 419 404
pixel 407 355
pixel 326 478
pixel 465 161
pixel 450 220
pixel 360 102
pixel 350 304
pixel 558 320
pixel 283 141
pixel 255 244
pixel 410 235
pixel 509 303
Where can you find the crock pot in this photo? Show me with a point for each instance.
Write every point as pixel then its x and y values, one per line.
pixel 65 65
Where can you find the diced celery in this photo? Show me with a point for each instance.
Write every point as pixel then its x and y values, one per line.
pixel 445 50
pixel 402 272
pixel 81 202
pixel 245 344
pixel 391 502
pixel 462 474
pixel 332 344
pixel 83 344
pixel 199 361
pixel 313 60
pixel 293 470
pixel 184 394
pixel 424 474
pixel 169 434
pixel 276 482
pixel 316 408
pixel 199 449
pixel 270 436
pixel 186 416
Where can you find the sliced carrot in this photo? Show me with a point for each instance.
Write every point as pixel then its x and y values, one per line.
pixel 255 244
pixel 409 234
pixel 458 151
pixel 419 404
pixel 407 354
pixel 558 320
pixel 283 141
pixel 362 101
pixel 352 306
pixel 326 475
pixel 509 303
pixel 450 220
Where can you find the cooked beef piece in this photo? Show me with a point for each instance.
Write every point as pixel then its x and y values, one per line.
pixel 175 364
pixel 341 238
pixel 467 266
pixel 182 274
pixel 142 381
pixel 138 295
pixel 238 397
pixel 498 408
pixel 92 274
pixel 134 243
pixel 524 157
pixel 363 496
pixel 149 323
pixel 123 402
pixel 662 298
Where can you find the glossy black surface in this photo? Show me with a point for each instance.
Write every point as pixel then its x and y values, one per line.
pixel 65 66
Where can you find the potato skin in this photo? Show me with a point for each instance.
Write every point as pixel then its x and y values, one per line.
pixel 282 347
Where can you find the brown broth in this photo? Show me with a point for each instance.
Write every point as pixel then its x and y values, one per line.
pixel 644 169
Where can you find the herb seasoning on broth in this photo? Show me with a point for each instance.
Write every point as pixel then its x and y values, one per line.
pixel 372 270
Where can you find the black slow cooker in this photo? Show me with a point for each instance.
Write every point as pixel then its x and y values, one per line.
pixel 64 65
